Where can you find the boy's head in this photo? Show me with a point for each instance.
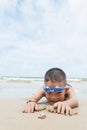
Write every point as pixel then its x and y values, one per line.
pixel 55 75
pixel 53 78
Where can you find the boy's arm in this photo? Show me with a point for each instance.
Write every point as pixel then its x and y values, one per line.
pixel 65 106
pixel 36 97
pixel 31 104
pixel 72 100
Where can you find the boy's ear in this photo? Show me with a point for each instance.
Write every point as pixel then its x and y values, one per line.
pixel 67 89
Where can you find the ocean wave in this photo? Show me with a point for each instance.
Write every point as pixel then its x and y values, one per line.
pixel 30 79
pixel 20 79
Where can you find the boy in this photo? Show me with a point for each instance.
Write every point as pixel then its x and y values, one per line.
pixel 56 90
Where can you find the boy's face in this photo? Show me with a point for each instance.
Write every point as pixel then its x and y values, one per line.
pixel 53 96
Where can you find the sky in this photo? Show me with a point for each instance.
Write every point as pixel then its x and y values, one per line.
pixel 36 35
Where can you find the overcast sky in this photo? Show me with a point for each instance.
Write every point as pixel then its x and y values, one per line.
pixel 36 35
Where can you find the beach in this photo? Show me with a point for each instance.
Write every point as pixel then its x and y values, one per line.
pixel 12 118
pixel 12 104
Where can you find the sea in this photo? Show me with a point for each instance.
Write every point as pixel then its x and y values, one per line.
pixel 24 87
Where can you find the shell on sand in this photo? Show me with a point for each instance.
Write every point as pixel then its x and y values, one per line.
pixel 42 116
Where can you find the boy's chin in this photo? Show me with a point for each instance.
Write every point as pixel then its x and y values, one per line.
pixel 52 102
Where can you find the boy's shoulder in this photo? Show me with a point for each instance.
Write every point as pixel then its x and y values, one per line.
pixel 69 85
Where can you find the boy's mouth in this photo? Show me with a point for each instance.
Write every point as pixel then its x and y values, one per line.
pixel 53 100
pixel 56 99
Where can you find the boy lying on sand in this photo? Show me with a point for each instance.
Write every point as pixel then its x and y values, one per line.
pixel 58 93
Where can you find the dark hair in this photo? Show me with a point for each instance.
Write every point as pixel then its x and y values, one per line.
pixel 55 74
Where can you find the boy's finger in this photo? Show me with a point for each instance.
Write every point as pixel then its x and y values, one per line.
pixel 29 108
pixel 59 108
pixel 23 111
pixel 36 107
pixel 32 110
pixel 55 105
pixel 26 109
pixel 63 110
pixel 68 111
pixel 32 107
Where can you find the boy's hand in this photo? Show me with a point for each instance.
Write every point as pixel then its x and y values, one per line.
pixel 30 107
pixel 62 108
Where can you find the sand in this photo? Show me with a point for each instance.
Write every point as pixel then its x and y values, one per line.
pixel 11 118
